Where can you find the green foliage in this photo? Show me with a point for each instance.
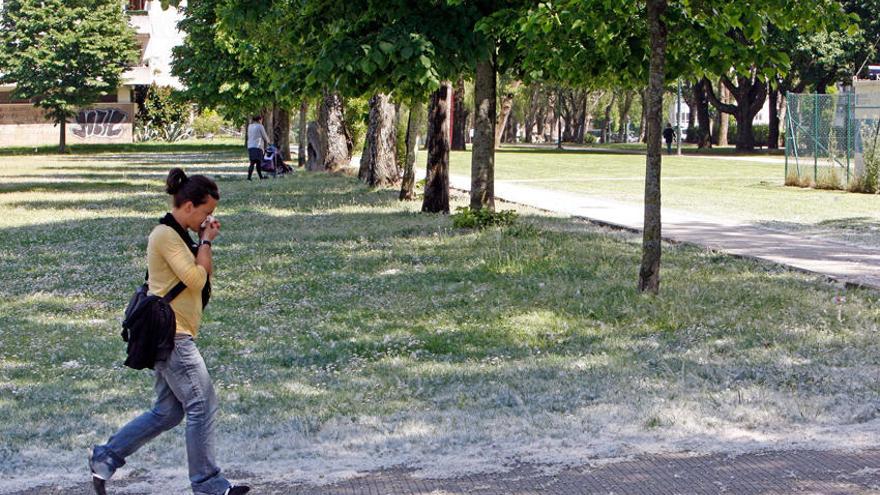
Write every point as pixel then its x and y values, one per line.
pixel 704 38
pixel 362 47
pixel 176 131
pixel 214 66
pixel 761 132
pixel 869 182
pixel 357 114
pixel 466 218
pixel 164 106
pixel 42 41
pixel 208 123
pixel 590 139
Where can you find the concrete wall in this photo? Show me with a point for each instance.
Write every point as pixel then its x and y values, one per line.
pixel 26 125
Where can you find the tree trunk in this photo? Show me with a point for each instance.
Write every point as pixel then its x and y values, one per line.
pixel 701 104
pixel 723 118
pixel 606 126
pixel 416 114
pixel 268 122
pixel 582 119
pixel 335 142
pixel 303 134
pixel 459 119
pixel 437 178
pixel 649 273
pixel 506 107
pixel 750 93
pixel 62 143
pixel 624 113
pixel 282 132
pixel 483 157
pixel 315 160
pixel 773 131
pixel 643 122
pixel 379 159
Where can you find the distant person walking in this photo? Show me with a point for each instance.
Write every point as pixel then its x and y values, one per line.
pixel 183 386
pixel 257 140
pixel 669 135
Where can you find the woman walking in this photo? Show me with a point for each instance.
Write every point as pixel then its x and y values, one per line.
pixel 183 386
pixel 257 140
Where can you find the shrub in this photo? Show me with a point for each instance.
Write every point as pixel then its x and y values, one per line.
pixel 176 131
pixel 795 180
pixel 357 114
pixel 590 139
pixel 208 123
pixel 143 132
pixel 165 113
pixel 762 134
pixel 760 131
pixel 163 106
pixel 465 218
pixel 868 182
pixel 829 179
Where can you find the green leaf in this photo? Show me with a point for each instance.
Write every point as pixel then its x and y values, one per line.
pixel 853 30
pixel 386 47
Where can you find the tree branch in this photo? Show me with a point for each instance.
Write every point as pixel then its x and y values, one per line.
pixel 717 103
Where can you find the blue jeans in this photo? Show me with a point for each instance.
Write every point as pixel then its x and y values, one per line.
pixel 183 386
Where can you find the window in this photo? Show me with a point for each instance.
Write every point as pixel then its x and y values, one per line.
pixel 137 5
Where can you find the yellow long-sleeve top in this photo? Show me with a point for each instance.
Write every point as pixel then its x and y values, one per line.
pixel 169 261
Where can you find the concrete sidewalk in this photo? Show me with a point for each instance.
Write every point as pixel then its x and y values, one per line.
pixel 760 473
pixel 847 263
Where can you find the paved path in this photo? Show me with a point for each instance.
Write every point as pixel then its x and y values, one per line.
pixel 826 473
pixel 844 262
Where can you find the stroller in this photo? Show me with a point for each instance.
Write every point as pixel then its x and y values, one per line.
pixel 272 162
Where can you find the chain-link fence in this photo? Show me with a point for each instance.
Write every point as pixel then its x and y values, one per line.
pixel 832 140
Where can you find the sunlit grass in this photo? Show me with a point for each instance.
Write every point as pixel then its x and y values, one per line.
pixel 745 191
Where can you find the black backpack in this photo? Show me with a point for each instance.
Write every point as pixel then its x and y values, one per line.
pixel 149 326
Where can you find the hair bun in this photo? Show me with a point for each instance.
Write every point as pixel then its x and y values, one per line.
pixel 176 178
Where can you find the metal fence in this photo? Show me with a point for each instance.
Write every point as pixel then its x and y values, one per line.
pixel 828 137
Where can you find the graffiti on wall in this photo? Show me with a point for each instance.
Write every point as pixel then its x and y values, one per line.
pixel 99 122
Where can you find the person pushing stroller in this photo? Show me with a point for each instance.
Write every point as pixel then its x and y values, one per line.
pixel 257 140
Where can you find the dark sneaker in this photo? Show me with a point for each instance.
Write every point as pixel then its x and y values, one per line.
pixel 100 475
pixel 98 485
pixel 237 490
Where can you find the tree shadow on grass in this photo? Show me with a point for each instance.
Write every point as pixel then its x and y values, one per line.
pixel 163 159
pixel 863 231
pixel 72 187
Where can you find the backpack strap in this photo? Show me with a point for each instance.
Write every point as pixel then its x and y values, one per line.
pixel 174 292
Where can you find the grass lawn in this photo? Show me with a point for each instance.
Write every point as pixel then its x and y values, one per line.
pixel 200 145
pixel 347 331
pixel 687 148
pixel 746 191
